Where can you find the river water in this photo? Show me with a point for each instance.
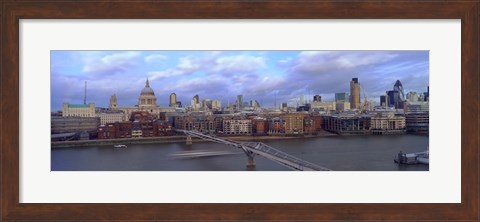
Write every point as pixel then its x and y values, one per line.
pixel 346 153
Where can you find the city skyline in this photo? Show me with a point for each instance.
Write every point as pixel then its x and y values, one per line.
pixel 222 75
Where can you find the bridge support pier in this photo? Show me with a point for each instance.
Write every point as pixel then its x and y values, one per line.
pixel 189 140
pixel 251 166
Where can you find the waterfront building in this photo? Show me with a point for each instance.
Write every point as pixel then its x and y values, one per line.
pixel 78 110
pixel 354 93
pixel 387 123
pixel 294 123
pixel 347 124
pixel 202 123
pixel 317 98
pixel 276 125
pixel 318 121
pixel 237 127
pixel 259 126
pixel 309 125
pixel 73 124
pixel 417 122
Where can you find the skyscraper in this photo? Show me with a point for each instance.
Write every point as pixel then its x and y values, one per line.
pixel 384 101
pixel 317 98
pixel 196 98
pixel 354 93
pixel 239 101
pixel 399 87
pixel 302 100
pixel 342 97
pixel 173 100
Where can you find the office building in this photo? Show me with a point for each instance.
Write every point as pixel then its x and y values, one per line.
pixel 173 100
pixel 354 93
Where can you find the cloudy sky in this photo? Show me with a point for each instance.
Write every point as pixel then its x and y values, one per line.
pixel 259 75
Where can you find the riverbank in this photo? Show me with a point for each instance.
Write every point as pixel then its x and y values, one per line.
pixel 175 139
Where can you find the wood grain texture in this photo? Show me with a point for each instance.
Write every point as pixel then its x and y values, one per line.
pixel 12 11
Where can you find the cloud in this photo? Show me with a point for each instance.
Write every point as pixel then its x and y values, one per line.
pixel 110 63
pixel 211 64
pixel 238 64
pixel 155 58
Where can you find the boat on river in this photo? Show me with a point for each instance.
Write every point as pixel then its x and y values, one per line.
pixel 412 158
pixel 120 146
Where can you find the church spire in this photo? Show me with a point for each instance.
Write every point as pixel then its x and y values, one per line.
pixel 147 84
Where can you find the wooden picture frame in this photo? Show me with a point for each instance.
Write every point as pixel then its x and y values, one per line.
pixel 12 11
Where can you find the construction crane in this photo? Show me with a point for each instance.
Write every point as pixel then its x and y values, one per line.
pixel 365 99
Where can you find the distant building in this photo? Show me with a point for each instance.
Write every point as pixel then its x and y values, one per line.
pixel 317 98
pixel 384 101
pixel 323 106
pixel 399 88
pixel 354 93
pixel 416 107
pixel 284 107
pixel 173 100
pixel 412 97
pixel 342 97
pixel 78 110
pixel 216 105
pixel 342 106
pixel 113 102
pixel 110 116
pixel 394 99
pixel 254 103
pixel 239 102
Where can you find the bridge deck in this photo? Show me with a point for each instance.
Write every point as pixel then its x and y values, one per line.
pixel 263 150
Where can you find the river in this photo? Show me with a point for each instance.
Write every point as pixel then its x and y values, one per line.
pixel 339 153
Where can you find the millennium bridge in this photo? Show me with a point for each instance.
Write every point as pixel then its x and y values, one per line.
pixel 251 149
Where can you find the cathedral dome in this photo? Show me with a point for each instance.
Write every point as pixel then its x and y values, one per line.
pixel 147 90
pixel 147 97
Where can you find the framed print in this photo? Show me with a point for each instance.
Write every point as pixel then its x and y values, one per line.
pixel 337 87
